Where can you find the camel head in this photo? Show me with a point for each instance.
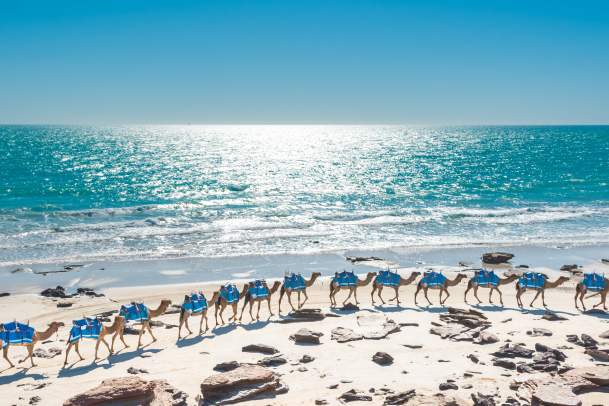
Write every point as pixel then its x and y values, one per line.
pixel 416 274
pixel 563 279
pixel 370 276
pixel 166 302
pixel 214 298
pixel 275 286
pixel 460 277
pixel 55 325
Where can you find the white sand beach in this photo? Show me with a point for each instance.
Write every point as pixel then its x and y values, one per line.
pixel 422 361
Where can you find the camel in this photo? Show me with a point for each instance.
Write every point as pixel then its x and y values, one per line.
pixel 296 283
pixel 228 295
pixel 140 314
pixel 491 281
pixel 538 282
pixel 599 289
pixel 435 280
pixel 189 308
pixel 258 291
pixel 33 337
pixel 348 280
pixel 76 336
pixel 378 284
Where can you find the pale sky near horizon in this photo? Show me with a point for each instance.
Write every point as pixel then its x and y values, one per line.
pixel 408 62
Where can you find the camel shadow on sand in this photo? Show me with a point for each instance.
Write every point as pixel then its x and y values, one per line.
pixel 192 339
pixel 20 374
pixel 536 311
pixel 396 309
pixel 256 325
pixel 117 358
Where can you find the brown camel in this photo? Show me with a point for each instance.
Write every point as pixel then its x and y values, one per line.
pixel 184 315
pixel 540 291
pixel 118 325
pixel 258 299
pixel 377 287
pixel 472 284
pixel 288 291
pixel 443 287
pixel 580 291
pixel 221 304
pixel 335 288
pixel 165 303
pixel 38 336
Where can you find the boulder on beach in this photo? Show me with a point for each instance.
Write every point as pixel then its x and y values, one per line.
pixel 261 348
pixel 306 336
pixel 130 390
pixel 243 383
pixel 497 257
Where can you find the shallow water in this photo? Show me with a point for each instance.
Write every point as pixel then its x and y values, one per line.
pixel 120 193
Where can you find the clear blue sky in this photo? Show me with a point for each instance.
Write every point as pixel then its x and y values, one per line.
pixel 412 62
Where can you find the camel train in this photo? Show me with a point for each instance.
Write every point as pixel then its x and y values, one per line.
pixel 258 291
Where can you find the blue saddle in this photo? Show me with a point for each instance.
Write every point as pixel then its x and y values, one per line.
pixel 16 333
pixel 594 282
pixel 486 278
pixel 137 312
pixel 345 278
pixel 230 293
pixel 258 289
pixel 433 279
pixel 388 278
pixel 532 280
pixel 195 303
pixel 294 282
pixel 85 328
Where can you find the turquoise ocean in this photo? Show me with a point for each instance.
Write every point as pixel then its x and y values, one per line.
pixel 83 193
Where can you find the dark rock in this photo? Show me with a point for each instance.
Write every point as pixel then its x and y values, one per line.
pixel 306 336
pixel 135 371
pixel 305 359
pixel 260 348
pixel 64 304
pixel 131 331
pixel 598 355
pixel 538 332
pixel 50 353
pixel 382 358
pixel 355 395
pixel 226 366
pixel 4 294
pixel 504 363
pixel 551 316
pixel 304 315
pixel 321 402
pixel 88 292
pixel 496 257
pixel 400 398
pixel 448 386
pixel 524 369
pixel 350 307
pixel 355 260
pixel 473 358
pixel 57 292
pixel 34 400
pixel 513 351
pixel 485 337
pixel 588 341
pixel 413 346
pixel 573 268
pixel 482 400
pixel 273 361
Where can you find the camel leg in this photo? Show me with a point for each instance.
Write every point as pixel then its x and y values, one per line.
pixel 348 296
pixel 397 298
pixel 97 342
pixel 577 296
pixel 603 301
pixel 258 312
pixel 416 293
pixel 476 294
pixel 77 349
pixel 535 298
pixel 372 293
pixel 446 298
pixel 251 307
pixel 30 354
pixel 149 328
pixel 425 293
pixel 543 298
pixel 306 297
pixel 203 316
pixel 65 361
pixel 380 289
pixel 355 295
pixel 235 311
pixel 119 334
pixel 467 289
pixel 518 294
pixel 139 338
pixel 103 340
pixel 216 314
pixel 245 302
pixel 332 299
pixel 299 304
pixel 281 292
pixel 500 297
pixel 5 356
pixel 290 301
pixel 268 302
pixel 490 295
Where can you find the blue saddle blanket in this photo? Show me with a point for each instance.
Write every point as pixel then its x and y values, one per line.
pixel 532 280
pixel 294 282
pixel 137 312
pixel 16 333
pixel 387 278
pixel 195 303
pixel 258 289
pixel 85 328
pixel 433 279
pixel 230 293
pixel 345 278
pixel 594 281
pixel 486 278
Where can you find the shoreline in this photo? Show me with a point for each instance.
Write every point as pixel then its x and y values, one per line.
pixel 188 270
